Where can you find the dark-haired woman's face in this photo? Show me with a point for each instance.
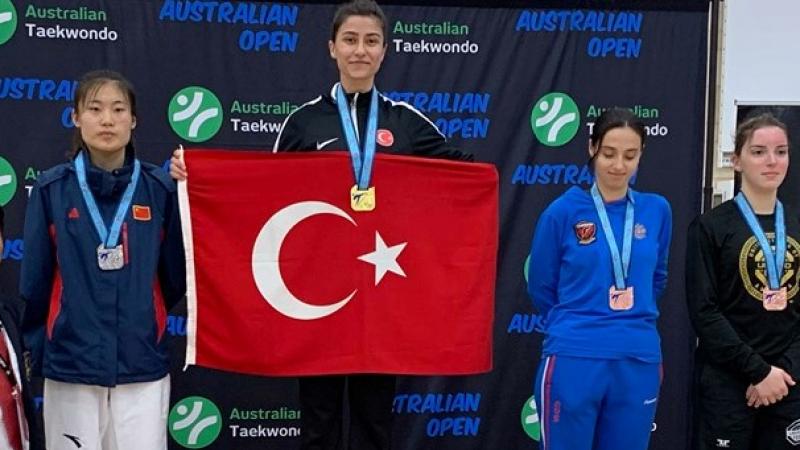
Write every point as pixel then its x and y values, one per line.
pixel 764 159
pixel 358 50
pixel 105 119
pixel 617 158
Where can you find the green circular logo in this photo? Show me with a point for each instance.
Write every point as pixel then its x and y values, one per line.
pixel 530 419
pixel 8 20
pixel 527 267
pixel 195 422
pixel 8 181
pixel 555 119
pixel 195 114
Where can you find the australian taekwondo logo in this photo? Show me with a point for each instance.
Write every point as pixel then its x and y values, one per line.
pixel 8 181
pixel 267 248
pixel 195 114
pixel 753 268
pixel 555 119
pixel 195 422
pixel 529 418
pixel 8 20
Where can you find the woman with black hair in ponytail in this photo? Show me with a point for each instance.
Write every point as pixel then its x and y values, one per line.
pixel 598 267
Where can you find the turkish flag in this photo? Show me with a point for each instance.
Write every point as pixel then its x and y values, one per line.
pixel 285 278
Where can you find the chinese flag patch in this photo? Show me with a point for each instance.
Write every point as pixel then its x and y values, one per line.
pixel 141 212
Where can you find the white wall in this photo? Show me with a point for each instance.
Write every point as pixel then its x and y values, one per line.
pixel 760 60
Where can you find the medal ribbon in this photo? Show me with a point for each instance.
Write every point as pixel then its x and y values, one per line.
pixel 362 169
pixel 620 264
pixel 109 239
pixel 774 260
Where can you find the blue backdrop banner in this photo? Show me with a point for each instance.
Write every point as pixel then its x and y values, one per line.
pixel 518 87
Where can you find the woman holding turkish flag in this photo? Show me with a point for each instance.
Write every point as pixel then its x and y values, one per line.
pixel 354 116
pixel 598 266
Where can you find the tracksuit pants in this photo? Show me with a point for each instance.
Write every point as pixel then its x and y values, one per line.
pixel 322 405
pixel 596 404
pixel 87 417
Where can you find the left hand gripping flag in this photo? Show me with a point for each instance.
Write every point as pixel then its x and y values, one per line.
pixel 285 278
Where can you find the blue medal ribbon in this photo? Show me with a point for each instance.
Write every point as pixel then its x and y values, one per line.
pixel 109 239
pixel 362 168
pixel 620 264
pixel 774 260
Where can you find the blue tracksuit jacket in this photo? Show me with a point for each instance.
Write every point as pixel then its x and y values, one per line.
pixel 570 273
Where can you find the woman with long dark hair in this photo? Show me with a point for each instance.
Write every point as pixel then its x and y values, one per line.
pixel 353 115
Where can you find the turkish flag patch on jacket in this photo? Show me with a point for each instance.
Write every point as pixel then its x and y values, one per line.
pixel 285 277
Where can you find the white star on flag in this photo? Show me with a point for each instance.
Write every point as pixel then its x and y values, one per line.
pixel 384 258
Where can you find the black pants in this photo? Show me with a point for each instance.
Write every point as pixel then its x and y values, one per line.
pixel 370 400
pixel 723 419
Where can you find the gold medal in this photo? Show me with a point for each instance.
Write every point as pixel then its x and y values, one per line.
pixel 362 200
pixel 774 300
pixel 620 299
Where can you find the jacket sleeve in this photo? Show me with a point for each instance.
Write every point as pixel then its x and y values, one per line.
pixel 36 274
pixel 723 345
pixel 429 141
pixel 790 359
pixel 172 262
pixel 544 266
pixel 664 241
pixel 290 138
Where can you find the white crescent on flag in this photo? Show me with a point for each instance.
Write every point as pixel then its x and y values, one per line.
pixel 266 265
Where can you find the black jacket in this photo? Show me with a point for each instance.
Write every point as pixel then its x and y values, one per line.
pixel 724 279
pixel 402 130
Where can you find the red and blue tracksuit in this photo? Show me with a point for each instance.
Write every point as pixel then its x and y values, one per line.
pixel 90 326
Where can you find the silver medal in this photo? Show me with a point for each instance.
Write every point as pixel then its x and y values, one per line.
pixel 110 258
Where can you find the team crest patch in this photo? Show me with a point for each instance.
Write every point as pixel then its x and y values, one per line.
pixel 753 272
pixel 141 212
pixel 639 231
pixel 73 213
pixel 586 232
pixel 384 137
pixel 793 432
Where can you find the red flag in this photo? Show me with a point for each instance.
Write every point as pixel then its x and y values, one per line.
pixel 286 279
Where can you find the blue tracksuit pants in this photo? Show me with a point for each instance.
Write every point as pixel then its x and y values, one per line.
pixel 596 404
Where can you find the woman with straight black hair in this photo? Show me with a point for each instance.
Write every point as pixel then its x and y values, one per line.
pixel 353 115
